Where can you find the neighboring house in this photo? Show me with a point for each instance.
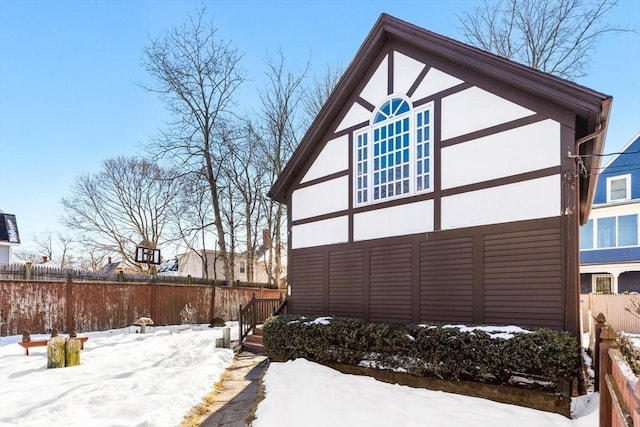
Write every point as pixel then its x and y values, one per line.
pixel 442 183
pixel 46 262
pixel 190 264
pixel 610 240
pixel 117 267
pixel 9 237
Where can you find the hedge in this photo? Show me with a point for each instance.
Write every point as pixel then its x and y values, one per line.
pixel 545 358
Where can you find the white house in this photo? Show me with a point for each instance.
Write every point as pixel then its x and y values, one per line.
pixel 191 264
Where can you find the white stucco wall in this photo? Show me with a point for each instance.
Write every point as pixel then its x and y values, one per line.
pixel 435 81
pixel 536 198
pixel 475 109
pixel 515 151
pixel 375 91
pixel 319 199
pixel 317 233
pixel 405 71
pixel 394 221
pixel 333 158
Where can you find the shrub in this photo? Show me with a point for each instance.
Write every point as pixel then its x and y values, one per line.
pixel 425 350
pixel 630 352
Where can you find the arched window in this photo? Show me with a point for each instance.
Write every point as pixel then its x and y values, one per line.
pixel 393 154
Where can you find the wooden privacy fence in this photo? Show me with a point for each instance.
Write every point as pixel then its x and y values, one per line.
pixel 619 388
pixel 615 308
pixel 38 306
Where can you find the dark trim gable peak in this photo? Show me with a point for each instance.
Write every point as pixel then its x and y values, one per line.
pixel 591 108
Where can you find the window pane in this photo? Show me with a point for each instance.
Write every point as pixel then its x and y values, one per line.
pixel 628 230
pixel 618 189
pixel 586 235
pixel 422 154
pixel 603 284
pixel 607 232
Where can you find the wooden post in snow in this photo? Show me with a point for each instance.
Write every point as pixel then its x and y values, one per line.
pixel 56 351
pixel 608 336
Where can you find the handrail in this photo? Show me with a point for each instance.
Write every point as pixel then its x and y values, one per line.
pixel 282 308
pixel 256 311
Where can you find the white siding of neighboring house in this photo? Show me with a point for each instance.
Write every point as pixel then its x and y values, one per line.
pixel 190 264
pixel 5 254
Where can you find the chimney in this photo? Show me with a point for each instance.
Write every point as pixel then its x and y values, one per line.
pixel 44 259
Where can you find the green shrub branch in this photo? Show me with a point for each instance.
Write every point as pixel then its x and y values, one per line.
pixel 548 356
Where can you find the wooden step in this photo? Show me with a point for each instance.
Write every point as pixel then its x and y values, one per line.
pixel 253 343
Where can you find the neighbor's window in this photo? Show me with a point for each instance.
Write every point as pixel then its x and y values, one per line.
pixel 606 232
pixel 602 283
pixel 619 188
pixel 628 230
pixel 242 267
pixel 393 156
pixel 610 232
pixel 586 235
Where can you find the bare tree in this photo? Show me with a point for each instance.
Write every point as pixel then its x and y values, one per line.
pixel 192 218
pixel 48 244
pixel 28 255
pixel 554 36
pixel 196 75
pixel 44 242
pixel 248 184
pixel 278 134
pixel 318 93
pixel 122 206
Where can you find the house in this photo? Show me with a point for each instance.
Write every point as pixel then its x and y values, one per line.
pixel 441 183
pixel 191 264
pixel 117 267
pixel 9 237
pixel 610 240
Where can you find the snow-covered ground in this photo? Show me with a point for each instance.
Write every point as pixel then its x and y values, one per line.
pixel 124 379
pixel 155 379
pixel 302 393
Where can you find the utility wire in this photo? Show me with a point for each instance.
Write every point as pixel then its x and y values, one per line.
pixel 610 154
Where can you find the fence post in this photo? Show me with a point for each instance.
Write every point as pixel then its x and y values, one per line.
pixel 240 321
pixel 70 305
pixel 600 319
pixel 27 270
pixel 608 337
pixel 154 298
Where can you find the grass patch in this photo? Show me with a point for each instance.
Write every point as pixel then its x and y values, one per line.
pixel 194 417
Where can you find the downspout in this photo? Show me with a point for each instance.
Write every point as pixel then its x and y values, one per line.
pixel 597 135
pixel 572 319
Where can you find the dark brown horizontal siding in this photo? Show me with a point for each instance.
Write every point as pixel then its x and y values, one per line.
pixel 345 283
pixel 500 274
pixel 390 283
pixel 523 278
pixel 307 274
pixel 446 278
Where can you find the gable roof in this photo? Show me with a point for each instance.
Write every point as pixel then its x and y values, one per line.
pixel 591 107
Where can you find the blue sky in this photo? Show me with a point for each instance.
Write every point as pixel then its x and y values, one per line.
pixel 68 74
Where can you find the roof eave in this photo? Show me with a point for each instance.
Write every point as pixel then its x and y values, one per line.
pixel 594 160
